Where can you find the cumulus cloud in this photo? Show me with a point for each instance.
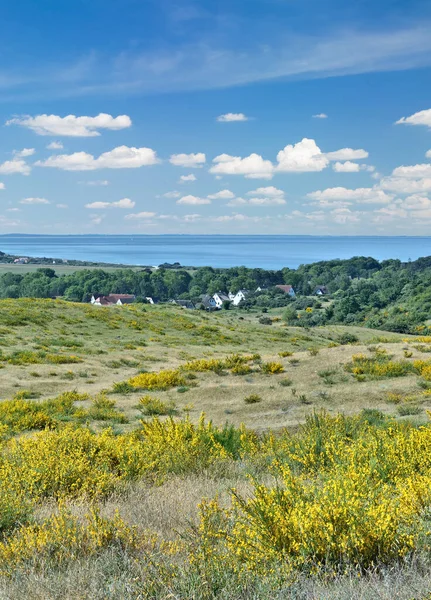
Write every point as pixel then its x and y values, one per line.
pixel 347 154
pixel 55 146
pixel 123 203
pixel 362 195
pixel 194 200
pixel 237 202
pixel 346 167
pixel 269 191
pixel 2 186
pixel 413 171
pixel 11 167
pixel 268 201
pixel 24 153
pixel 140 215
pixel 252 167
pixel 72 125
pixel 422 117
pixel 121 157
pixel 34 201
pixel 428 154
pixel 342 216
pixel 188 160
pixel 62 205
pixel 320 116
pixel 186 178
pixel 404 185
pixel 222 195
pixel 173 194
pixel 231 117
pixel 97 219
pixel 305 156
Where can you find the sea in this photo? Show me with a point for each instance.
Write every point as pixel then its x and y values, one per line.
pixel 264 251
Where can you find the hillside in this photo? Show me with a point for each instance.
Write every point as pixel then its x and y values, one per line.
pixel 113 484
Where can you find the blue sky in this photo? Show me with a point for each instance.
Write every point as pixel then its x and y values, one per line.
pixel 255 116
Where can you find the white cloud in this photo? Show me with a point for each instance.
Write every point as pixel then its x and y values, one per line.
pixel 404 185
pixel 55 146
pixel 13 210
pixel 2 186
pixel 123 203
pixel 320 116
pixel 362 195
pixel 24 152
pixel 98 182
pixel 428 154
pixel 305 156
pixel 121 157
pixel 71 125
pixel 347 154
pixel 231 117
pixel 188 160
pixel 186 178
pixel 11 167
pixel 237 202
pixel 34 201
pixel 346 167
pixel 139 216
pixel 97 219
pixel 193 200
pixel 422 117
pixel 222 195
pixel 413 171
pixel 342 216
pixel 172 195
pixel 271 201
pixel 62 205
pixel 416 202
pixel 269 191
pixel 252 167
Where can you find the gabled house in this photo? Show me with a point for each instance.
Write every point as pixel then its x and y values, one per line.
pixel 321 290
pixel 208 302
pixel 240 296
pixel 112 299
pixel 184 304
pixel 287 289
pixel 219 298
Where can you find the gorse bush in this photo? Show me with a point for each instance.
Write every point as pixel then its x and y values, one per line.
pixel 157 381
pixel 381 366
pixel 272 368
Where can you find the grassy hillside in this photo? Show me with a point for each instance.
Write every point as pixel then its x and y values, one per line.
pixel 113 485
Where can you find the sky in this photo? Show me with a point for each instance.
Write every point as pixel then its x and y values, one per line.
pixel 236 117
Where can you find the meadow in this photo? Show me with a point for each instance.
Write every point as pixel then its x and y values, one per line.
pixel 154 452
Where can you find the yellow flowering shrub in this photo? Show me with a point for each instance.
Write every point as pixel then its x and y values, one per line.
pixel 157 381
pixel 345 492
pixel 63 537
pixel 379 366
pixel 272 368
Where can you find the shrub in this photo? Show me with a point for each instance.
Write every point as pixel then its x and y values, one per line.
pixel 286 382
pixel 313 351
pixel 157 381
pixel 252 399
pixel 285 354
pixel 347 338
pixel 103 409
pixel 150 406
pixel 122 387
pixel 409 410
pixel 241 370
pixel 272 368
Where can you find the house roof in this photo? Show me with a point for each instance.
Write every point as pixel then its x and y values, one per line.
pixel 285 288
pixel 125 298
pixel 222 296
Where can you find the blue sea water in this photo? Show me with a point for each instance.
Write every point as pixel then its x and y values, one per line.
pixel 265 251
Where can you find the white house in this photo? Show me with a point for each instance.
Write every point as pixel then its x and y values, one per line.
pixel 112 299
pixel 240 297
pixel 219 298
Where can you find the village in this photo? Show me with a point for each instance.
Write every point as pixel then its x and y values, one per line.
pixel 218 301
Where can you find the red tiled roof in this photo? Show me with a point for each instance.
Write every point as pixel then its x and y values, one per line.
pixel 285 288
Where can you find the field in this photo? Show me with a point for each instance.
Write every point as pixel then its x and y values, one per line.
pixel 59 268
pixel 106 456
